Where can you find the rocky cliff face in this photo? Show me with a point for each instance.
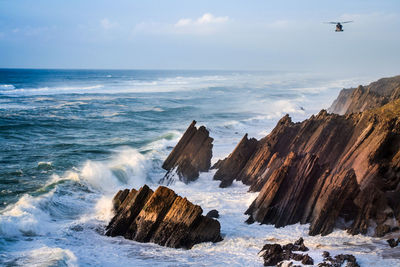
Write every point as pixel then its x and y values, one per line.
pixel 190 156
pixel 323 168
pixel 362 98
pixel 161 217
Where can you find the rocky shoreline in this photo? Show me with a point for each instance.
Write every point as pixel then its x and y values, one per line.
pixel 338 166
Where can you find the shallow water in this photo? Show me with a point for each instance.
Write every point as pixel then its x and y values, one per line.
pixel 71 138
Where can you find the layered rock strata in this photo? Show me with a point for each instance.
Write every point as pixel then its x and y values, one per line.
pixel 161 217
pixel 323 168
pixel 371 96
pixel 190 156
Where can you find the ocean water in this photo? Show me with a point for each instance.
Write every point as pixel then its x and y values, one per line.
pixel 70 139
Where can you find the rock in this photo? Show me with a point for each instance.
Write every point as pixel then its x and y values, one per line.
pixel 275 253
pixel 272 254
pixel 382 230
pixel 363 98
pixel 307 260
pixel 338 260
pixel 229 169
pixel 324 168
pixel 161 217
pixel 326 254
pixel 190 156
pixel 213 214
pixel 393 243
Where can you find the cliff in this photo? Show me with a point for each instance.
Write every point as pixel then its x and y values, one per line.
pixel 161 217
pixel 371 96
pixel 190 156
pixel 325 168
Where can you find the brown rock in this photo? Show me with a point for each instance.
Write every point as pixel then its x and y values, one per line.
pixel 230 168
pixel 163 218
pixel 326 167
pixel 190 156
pixel 363 98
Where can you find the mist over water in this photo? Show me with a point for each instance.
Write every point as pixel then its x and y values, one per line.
pixel 69 139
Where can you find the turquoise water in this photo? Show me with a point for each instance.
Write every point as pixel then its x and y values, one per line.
pixel 69 139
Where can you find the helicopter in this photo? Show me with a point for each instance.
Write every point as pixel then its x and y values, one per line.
pixel 339 26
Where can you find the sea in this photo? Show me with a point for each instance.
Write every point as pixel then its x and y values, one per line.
pixel 70 139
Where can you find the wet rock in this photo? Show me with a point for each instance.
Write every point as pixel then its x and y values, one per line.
pixel 307 260
pixel 229 169
pixel 161 217
pixel 393 242
pixel 213 214
pixel 382 230
pixel 190 156
pixel 338 260
pixel 273 254
pixel 324 168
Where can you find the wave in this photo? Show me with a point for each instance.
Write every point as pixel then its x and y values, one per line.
pixel 6 86
pixel 52 90
pixel 46 256
pixel 118 85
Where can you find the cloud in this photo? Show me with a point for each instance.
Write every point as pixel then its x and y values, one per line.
pixel 207 18
pixel 106 24
pixel 206 24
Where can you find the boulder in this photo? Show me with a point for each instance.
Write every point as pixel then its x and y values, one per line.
pixel 213 214
pixel 190 156
pixel 161 217
pixel 393 242
pixel 338 260
pixel 275 253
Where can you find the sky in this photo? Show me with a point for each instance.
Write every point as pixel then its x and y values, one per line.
pixel 218 34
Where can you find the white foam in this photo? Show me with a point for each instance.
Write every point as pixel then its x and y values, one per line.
pixel 26 217
pixel 127 168
pixel 48 256
pixel 6 86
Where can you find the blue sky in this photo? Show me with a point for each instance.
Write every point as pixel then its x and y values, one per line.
pixel 219 34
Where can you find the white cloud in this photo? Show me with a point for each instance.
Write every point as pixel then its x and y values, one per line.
pixel 106 24
pixel 204 25
pixel 207 18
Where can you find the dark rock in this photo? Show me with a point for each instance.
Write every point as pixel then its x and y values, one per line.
pixel 393 243
pixel 307 260
pixel 382 230
pixel 213 214
pixel 163 218
pixel 229 169
pixel 250 220
pixel 326 254
pixel 338 260
pixel 190 156
pixel 275 253
pixel 272 254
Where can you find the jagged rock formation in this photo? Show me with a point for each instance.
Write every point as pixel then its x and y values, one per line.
pixel 362 98
pixel 229 168
pixel 326 167
pixel 161 217
pixel 273 254
pixel 338 260
pixel 190 156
